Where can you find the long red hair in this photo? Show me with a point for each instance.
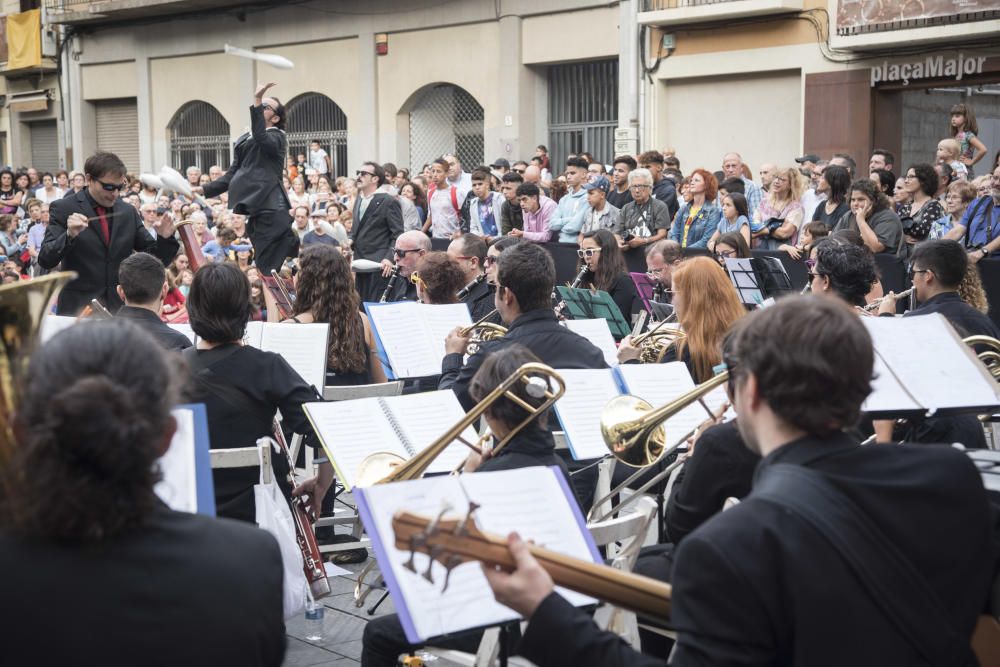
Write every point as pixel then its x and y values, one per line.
pixel 711 305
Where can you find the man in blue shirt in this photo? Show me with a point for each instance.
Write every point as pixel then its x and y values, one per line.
pixel 980 225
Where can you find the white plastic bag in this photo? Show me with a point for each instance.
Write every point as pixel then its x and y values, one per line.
pixel 274 516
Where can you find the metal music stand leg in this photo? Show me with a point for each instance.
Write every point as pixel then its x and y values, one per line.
pixel 372 609
pixel 504 632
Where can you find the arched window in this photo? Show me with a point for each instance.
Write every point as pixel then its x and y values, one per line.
pixel 446 119
pixel 199 137
pixel 315 117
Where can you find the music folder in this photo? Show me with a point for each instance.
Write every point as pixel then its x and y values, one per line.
pixel 583 304
pixel 536 502
pixel 409 336
pixel 352 430
pixel 923 367
pixel 186 466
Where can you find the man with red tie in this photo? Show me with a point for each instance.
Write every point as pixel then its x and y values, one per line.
pixel 92 231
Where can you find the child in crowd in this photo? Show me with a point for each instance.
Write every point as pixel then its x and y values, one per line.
pixel 948 152
pixel 735 218
pixel 964 130
pixel 811 233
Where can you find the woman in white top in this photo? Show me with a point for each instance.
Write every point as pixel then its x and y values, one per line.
pixel 48 193
pixel 298 195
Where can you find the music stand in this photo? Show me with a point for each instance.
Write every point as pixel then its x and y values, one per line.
pixel 583 304
pixel 644 286
pixel 741 273
pixel 661 311
pixel 772 276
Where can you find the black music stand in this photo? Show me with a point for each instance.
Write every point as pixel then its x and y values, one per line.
pixel 741 273
pixel 583 304
pixel 772 276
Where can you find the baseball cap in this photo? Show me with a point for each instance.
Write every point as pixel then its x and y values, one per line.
pixel 808 157
pixel 600 183
pixel 500 163
pixel 318 213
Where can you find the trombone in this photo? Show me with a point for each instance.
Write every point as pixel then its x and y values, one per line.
pixel 386 467
pixel 634 434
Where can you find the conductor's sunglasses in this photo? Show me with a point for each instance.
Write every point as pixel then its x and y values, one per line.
pixel 112 187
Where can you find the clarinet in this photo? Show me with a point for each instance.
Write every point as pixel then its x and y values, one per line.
pixel 464 292
pixel 576 283
pixel 658 292
pixel 393 279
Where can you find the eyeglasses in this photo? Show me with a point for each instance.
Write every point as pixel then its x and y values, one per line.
pixel 519 171
pixel 909 177
pixel 112 187
pixel 913 272
pixel 587 253
pixel 359 173
pixel 417 280
pixel 399 252
pixel 639 186
pixel 814 274
pixel 464 257
pixel 490 260
pixel 267 106
pixel 725 254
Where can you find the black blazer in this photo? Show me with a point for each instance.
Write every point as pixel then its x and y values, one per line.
pixel 253 180
pixel 211 588
pixel 168 338
pixel 374 234
pixel 756 585
pixel 96 264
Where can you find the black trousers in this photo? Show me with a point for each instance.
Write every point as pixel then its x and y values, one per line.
pixel 384 641
pixel 272 238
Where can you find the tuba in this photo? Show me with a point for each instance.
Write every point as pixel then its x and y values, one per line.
pixel 22 307
pixel 386 467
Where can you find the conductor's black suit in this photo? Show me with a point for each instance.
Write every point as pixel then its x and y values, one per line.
pixel 255 190
pixel 95 261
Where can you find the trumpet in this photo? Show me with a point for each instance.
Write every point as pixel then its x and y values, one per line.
pixel 655 342
pixel 482 331
pixel 386 467
pixel 874 305
pixel 634 434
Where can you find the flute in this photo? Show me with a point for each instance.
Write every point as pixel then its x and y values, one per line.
pixel 878 302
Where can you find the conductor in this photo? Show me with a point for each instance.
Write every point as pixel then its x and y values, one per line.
pixel 254 183
pixel 92 231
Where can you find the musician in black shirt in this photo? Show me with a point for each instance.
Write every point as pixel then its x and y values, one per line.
pixel 242 387
pixel 142 286
pixel 469 251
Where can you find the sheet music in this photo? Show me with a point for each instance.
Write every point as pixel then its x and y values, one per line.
pixel 425 417
pixel 440 321
pixel 888 395
pixel 178 488
pixel 303 346
pixel 579 410
pixel 53 324
pixel 528 499
pixel 254 333
pixel 741 274
pixel 929 359
pixel 597 332
pixel 352 430
pixel 185 329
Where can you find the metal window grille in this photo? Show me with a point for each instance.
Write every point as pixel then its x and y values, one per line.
pixel 446 119
pixel 583 110
pixel 199 137
pixel 314 116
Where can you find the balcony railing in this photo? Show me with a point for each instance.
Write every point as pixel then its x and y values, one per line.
pixel 664 13
pixel 657 5
pixel 91 11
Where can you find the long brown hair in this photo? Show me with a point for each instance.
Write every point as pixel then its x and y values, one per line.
pixel 711 305
pixel 610 261
pixel 325 288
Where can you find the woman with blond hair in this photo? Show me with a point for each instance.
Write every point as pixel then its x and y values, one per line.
pixel 706 305
pixel 780 213
pixel 971 289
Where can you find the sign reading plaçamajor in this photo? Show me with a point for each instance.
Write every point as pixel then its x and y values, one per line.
pixel 931 67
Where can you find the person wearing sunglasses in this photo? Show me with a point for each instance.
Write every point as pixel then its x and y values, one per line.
pixel 843 270
pixel 254 184
pixel 409 248
pixel 93 231
pixel 600 253
pixel 377 222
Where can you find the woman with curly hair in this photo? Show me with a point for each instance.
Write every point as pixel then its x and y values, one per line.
pixel 438 279
pixel 873 217
pixel 324 292
pixel 971 290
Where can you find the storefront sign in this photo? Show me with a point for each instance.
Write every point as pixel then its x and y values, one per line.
pixel 931 67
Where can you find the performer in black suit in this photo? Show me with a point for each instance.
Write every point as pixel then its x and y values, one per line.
pixel 254 183
pixel 378 221
pixel 92 231
pixel 142 285
pixel 785 577
pixel 95 418
pixel 469 250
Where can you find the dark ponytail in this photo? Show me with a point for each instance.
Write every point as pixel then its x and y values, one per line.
pixel 91 421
